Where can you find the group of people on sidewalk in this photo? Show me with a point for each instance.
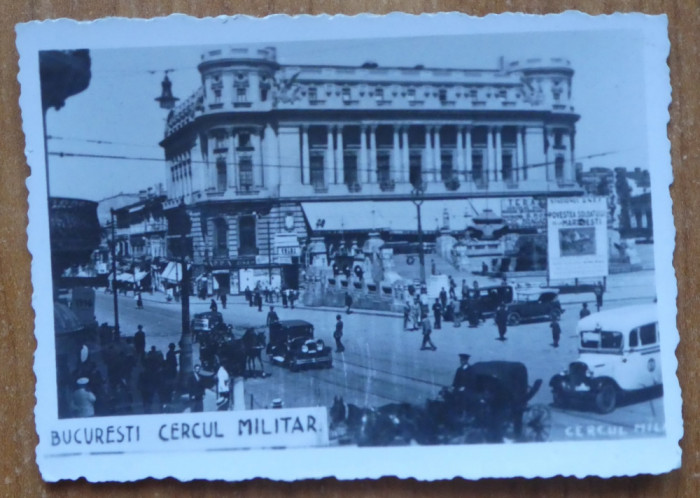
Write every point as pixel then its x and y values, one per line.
pixel 266 294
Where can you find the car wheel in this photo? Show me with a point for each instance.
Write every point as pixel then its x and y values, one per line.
pixel 606 398
pixel 513 318
pixel 555 314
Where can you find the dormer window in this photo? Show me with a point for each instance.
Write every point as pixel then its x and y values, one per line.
pixel 442 94
pixel 313 93
pixel 346 94
pixel 379 93
pixel 411 94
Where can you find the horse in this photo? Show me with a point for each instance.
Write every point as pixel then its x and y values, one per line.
pixel 374 426
pixel 253 345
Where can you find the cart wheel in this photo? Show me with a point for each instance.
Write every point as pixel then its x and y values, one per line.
pixel 606 398
pixel 513 318
pixel 537 423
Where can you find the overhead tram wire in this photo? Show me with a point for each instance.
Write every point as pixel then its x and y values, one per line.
pixel 292 166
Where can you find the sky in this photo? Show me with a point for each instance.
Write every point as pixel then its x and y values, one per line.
pixel 118 116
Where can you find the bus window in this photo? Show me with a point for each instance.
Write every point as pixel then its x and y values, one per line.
pixel 647 334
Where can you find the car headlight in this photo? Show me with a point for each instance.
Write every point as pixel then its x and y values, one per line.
pixel 305 349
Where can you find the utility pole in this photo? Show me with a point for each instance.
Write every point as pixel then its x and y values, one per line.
pixel 114 276
pixel 186 362
pixel 417 197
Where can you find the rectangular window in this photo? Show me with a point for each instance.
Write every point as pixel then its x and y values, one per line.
pixel 221 175
pixel 478 167
pixel 558 139
pixel 350 169
pixel 647 334
pixel 442 94
pixel 246 236
pixel 217 95
pixel 507 166
pixel 346 95
pixel 241 94
pixel 415 170
pixel 411 94
pixel 245 173
pixel 313 93
pixel 379 93
pixel 316 170
pixel 220 248
pixel 383 168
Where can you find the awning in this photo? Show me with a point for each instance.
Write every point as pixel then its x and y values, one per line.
pixel 395 216
pixel 129 277
pixel 172 272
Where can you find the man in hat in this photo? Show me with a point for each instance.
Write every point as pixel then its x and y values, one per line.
pixel 556 331
pixel 427 330
pixel 338 334
pixel 437 314
pixel 348 302
pixel 272 317
pixel 460 381
pixel 501 320
pixel 140 342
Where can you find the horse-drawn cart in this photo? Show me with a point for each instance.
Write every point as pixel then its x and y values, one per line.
pixel 491 407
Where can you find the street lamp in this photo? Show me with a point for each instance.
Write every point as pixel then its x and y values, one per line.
pixel 113 247
pixel 417 196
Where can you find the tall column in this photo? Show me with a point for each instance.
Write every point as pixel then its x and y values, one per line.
pixel 571 169
pixel 519 154
pixel 305 156
pixel 405 154
pixel 548 156
pixel 256 138
pixel 231 176
pixel 489 164
pixel 468 152
pixel 339 159
pixel 437 155
pixel 328 177
pixel 460 153
pixel 373 154
pixel 362 163
pixel 427 172
pixel 499 155
pixel 396 162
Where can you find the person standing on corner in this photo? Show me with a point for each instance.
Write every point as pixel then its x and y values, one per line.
pixel 437 314
pixel 598 291
pixel 272 317
pixel 427 330
pixel 223 299
pixel 501 320
pixel 213 306
pixel 556 332
pixel 338 334
pixel 443 297
pixel 258 299
pixel 140 343
pixel 348 302
pixel 248 296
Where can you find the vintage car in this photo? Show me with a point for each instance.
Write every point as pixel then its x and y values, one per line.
pixel 619 354
pixel 484 301
pixel 206 323
pixel 292 345
pixel 534 304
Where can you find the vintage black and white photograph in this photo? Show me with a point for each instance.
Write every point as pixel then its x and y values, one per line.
pixel 398 242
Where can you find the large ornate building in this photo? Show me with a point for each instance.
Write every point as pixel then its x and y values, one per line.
pixel 266 155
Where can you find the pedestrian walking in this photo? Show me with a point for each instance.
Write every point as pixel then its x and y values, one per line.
pixel 293 296
pixel 501 320
pixel 338 334
pixel 433 268
pixel 139 301
pixel 140 342
pixel 348 302
pixel 437 314
pixel 285 295
pixel 223 299
pixel 406 314
pixel 453 287
pixel 196 390
pixel 213 307
pixel 258 299
pixel 556 332
pixel 170 368
pixel 443 297
pixel 584 311
pixel 465 290
pixel 427 330
pixel 598 291
pixel 248 296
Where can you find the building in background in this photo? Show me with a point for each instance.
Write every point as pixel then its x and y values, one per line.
pixel 266 156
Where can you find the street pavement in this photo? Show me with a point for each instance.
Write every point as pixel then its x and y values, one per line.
pixel 383 363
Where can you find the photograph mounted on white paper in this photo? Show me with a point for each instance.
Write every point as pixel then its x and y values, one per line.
pixel 362 242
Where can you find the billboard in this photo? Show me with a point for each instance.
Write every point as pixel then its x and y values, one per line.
pixel 577 245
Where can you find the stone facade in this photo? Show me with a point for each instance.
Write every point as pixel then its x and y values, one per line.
pixel 259 138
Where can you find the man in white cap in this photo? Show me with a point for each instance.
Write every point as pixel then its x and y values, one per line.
pixel 83 401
